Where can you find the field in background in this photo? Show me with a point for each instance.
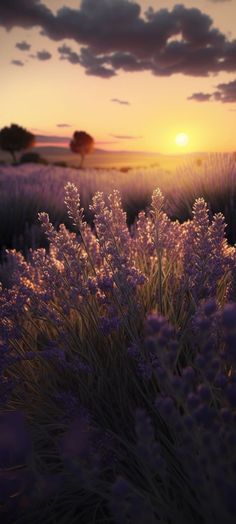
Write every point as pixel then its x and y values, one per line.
pixel 28 189
pixel 111 159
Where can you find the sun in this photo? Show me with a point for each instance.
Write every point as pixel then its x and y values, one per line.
pixel 182 139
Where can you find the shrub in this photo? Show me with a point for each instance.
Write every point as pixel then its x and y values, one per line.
pixel 118 371
pixel 32 158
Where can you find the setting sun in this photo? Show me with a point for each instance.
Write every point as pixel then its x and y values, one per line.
pixel 182 139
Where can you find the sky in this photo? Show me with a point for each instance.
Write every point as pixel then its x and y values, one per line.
pixel 133 74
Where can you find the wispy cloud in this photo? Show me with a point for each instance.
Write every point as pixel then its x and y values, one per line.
pixel 63 125
pixel 121 102
pixel 17 63
pixel 219 1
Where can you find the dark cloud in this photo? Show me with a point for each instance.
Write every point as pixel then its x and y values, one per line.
pixel 200 97
pixel 94 65
pixel 23 46
pixel 121 102
pixel 127 62
pixel 24 13
pixel 100 71
pixel 127 137
pixel 17 63
pixel 66 53
pixel 43 55
pixel 226 93
pixel 63 125
pixel 115 35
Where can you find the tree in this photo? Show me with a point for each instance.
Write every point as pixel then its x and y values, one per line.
pixel 81 143
pixel 32 158
pixel 15 138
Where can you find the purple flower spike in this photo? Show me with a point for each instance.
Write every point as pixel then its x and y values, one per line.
pixel 204 415
pixel 231 394
pixel 210 308
pixel 121 488
pixel 204 393
pixel 15 443
pixel 76 441
pixel 193 401
pixel 155 323
pixel 229 316
pixel 189 375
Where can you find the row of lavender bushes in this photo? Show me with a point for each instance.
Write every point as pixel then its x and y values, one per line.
pixel 117 362
pixel 28 189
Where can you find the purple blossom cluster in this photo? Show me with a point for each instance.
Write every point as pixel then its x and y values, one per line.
pixel 117 370
pixel 196 400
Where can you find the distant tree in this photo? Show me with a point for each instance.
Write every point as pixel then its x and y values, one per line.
pixel 81 143
pixel 15 138
pixel 32 157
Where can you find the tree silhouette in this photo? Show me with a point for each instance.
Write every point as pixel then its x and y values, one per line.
pixel 15 138
pixel 81 143
pixel 32 157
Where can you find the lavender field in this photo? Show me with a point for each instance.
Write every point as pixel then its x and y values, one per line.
pixel 27 189
pixel 118 345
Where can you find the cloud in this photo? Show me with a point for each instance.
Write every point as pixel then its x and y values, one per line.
pixel 115 35
pixel 121 102
pixel 24 13
pixel 23 46
pixel 200 97
pixel 17 63
pixel 127 137
pixel 43 55
pixel 67 54
pixel 92 64
pixel 225 93
pixel 63 125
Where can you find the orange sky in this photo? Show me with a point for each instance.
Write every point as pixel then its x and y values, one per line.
pixel 42 94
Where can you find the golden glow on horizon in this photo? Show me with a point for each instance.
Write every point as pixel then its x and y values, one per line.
pixel 182 139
